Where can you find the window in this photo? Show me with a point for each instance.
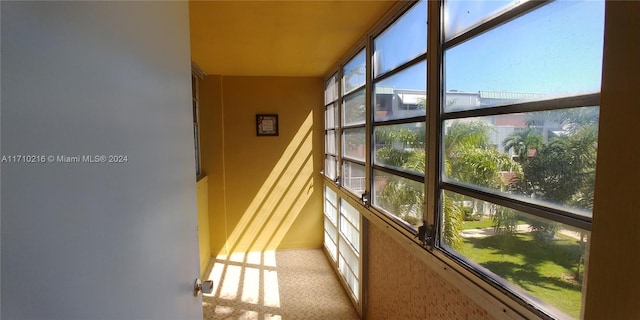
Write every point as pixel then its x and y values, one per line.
pixel 353 73
pixel 460 16
pixel 511 96
pixel 342 239
pixel 331 222
pixel 400 104
pixel 349 247
pixel 519 128
pixel 395 140
pixel 401 42
pixel 196 120
pixel 353 124
pixel 330 127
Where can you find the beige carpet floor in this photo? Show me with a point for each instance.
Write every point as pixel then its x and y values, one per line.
pixel 287 285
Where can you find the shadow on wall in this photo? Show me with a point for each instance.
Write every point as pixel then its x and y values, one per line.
pixel 280 199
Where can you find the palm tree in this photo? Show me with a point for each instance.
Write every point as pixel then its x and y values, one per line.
pixel 354 109
pixel 584 145
pixel 400 145
pixel 404 149
pixel 452 222
pixel 523 141
pixel 481 167
pixel 463 134
pixel 472 158
pixel 403 198
pixel 562 172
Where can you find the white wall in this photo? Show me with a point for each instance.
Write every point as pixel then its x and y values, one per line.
pixel 98 241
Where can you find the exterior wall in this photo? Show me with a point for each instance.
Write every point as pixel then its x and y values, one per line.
pixel 264 192
pixel 202 193
pixel 401 286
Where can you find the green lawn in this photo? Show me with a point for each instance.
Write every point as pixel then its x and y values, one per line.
pixel 543 270
pixel 483 223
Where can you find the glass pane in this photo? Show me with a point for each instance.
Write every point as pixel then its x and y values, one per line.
pixel 350 213
pixel 549 156
pixel 330 164
pixel 462 15
pixel 403 95
pixel 354 110
pixel 400 197
pixel 196 144
pixel 194 110
pixel 331 229
pixel 550 52
pixel 404 40
pixel 330 140
pixel 331 212
pixel 350 257
pixel 331 90
pixel 354 143
pixel 400 146
pixel 354 73
pixel 330 115
pixel 331 246
pixel 350 233
pixel 544 259
pixel 331 196
pixel 353 177
pixel 194 83
pixel 349 277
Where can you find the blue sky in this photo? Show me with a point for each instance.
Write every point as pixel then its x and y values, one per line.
pixel 556 49
pixel 399 43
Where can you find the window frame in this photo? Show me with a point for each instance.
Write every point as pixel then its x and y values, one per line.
pixel 439 183
pixel 342 243
pixel 433 179
pixel 335 77
pixel 196 75
pixel 366 43
pixel 372 123
pixel 342 97
pixel 548 211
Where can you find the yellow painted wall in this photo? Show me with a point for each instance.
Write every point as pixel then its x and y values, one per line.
pixel 210 95
pixel 264 192
pixel 202 194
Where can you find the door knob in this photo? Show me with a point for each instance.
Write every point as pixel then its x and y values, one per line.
pixel 205 287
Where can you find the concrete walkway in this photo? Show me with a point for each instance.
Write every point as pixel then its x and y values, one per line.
pixel 521 228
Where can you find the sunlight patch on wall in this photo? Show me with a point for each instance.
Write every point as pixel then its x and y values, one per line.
pixel 280 199
pixel 244 274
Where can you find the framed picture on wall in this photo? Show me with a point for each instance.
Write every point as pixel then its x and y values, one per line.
pixel 267 124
